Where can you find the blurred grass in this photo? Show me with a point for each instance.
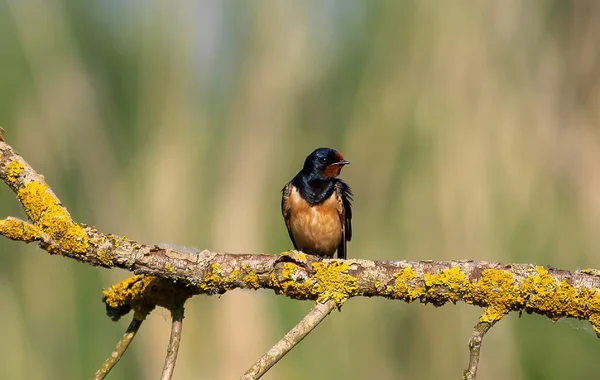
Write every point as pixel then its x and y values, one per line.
pixel 472 128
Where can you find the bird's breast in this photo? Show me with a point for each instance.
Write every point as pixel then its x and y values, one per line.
pixel 317 229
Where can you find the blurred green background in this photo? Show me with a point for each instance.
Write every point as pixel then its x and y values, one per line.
pixel 472 127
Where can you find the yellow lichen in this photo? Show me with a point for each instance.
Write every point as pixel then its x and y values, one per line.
pixel 251 280
pixel 401 288
pixel 216 279
pixel 123 292
pixel 288 270
pixel 447 286
pixel 97 240
pixel 13 171
pixel 497 289
pixel 233 276
pixel 169 268
pixel 330 281
pixel 595 321
pixel 50 217
pixel 538 292
pixel 334 282
pixel 212 279
pixel 104 258
pixel 142 294
pixel 18 230
pixel 561 299
pixel 452 279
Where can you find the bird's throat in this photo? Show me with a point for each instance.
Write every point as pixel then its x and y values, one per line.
pixel 315 191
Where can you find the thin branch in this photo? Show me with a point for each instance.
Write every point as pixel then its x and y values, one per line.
pixel 474 348
pixel 174 341
pixel 290 340
pixel 118 352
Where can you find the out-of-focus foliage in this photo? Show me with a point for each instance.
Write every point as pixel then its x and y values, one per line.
pixel 472 127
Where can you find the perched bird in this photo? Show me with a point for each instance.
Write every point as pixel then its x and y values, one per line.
pixel 316 206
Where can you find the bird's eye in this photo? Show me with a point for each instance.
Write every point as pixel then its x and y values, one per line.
pixel 323 160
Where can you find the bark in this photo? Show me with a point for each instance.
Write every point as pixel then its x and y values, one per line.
pixel 168 277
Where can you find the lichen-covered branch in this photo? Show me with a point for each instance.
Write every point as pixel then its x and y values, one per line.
pixel 290 340
pixel 168 277
pixel 171 275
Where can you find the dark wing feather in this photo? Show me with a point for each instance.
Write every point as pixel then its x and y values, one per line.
pixel 285 209
pixel 344 196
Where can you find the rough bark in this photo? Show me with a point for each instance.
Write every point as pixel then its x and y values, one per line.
pixel 168 277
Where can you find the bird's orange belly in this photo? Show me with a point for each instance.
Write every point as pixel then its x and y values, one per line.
pixel 317 230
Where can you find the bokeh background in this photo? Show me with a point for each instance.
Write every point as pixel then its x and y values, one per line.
pixel 472 127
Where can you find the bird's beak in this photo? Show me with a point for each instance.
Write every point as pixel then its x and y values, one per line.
pixel 341 163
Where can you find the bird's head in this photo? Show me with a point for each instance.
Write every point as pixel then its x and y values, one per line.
pixel 324 163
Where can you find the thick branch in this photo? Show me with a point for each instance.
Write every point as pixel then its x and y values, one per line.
pixel 173 276
pixel 290 340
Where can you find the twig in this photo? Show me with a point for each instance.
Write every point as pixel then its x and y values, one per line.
pixel 118 352
pixel 290 340
pixel 174 341
pixel 474 348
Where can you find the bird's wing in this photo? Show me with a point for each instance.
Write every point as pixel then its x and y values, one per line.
pixel 344 198
pixel 286 209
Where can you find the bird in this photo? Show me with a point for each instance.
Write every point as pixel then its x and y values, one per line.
pixel 317 206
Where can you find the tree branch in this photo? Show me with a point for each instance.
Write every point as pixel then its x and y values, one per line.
pixel 168 277
pixel 174 341
pixel 290 340
pixel 122 346
pixel 475 347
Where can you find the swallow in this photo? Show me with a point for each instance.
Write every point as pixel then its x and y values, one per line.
pixel 316 206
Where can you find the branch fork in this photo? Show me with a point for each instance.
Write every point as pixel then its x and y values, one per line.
pixel 168 277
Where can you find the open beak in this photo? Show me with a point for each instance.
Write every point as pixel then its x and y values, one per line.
pixel 341 163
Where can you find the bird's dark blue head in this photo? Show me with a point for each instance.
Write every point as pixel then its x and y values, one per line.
pixel 323 164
